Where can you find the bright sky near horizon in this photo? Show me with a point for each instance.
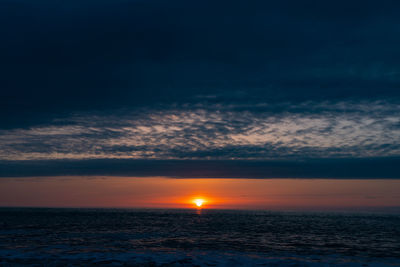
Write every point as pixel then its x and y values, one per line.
pixel 160 192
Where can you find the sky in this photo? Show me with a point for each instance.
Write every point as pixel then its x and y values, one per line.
pixel 346 195
pixel 200 89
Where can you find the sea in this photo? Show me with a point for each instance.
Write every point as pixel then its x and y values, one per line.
pixel 157 237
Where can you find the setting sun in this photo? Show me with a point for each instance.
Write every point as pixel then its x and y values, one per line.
pixel 199 202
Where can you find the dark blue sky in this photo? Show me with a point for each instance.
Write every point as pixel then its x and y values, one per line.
pixel 285 86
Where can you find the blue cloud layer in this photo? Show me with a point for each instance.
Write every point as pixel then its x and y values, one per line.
pixel 207 80
pixel 81 56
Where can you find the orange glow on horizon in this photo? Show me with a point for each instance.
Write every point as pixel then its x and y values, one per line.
pixel 160 192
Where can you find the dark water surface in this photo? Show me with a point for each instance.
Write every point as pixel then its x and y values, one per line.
pixel 187 238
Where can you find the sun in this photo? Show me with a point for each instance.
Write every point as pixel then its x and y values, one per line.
pixel 199 202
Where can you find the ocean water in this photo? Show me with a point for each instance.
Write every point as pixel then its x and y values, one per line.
pixel 124 237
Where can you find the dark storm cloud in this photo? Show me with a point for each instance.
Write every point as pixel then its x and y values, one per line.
pixel 217 80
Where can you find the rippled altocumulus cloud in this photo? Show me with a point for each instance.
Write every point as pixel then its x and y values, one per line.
pixel 309 129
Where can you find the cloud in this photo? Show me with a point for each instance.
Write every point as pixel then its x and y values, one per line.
pixel 306 130
pixel 57 60
pixel 371 168
pixel 227 80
